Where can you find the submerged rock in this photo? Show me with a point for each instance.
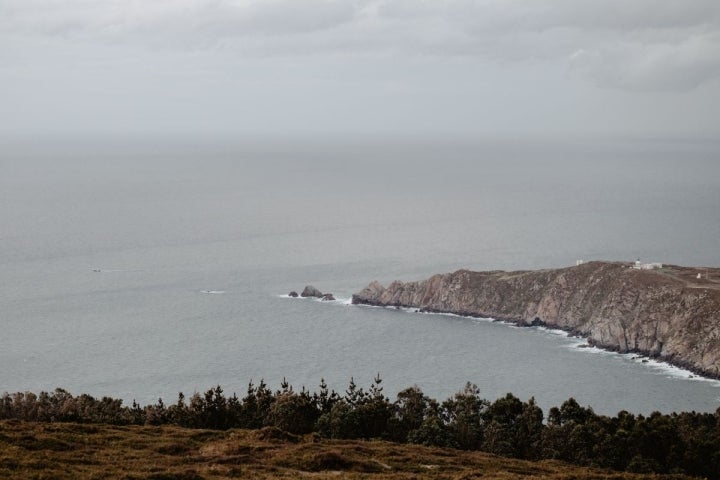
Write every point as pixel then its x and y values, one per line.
pixel 293 294
pixel 311 291
pixel 537 322
pixel 328 297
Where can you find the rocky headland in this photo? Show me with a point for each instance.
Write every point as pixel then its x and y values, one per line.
pixel 671 313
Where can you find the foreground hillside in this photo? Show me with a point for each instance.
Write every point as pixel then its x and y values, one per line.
pixel 686 442
pixel 672 313
pixel 87 451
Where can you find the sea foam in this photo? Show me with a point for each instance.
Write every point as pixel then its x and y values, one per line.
pixel 578 344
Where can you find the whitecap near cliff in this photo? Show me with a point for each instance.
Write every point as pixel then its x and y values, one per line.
pixel 671 314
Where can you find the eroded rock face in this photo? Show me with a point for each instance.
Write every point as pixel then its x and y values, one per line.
pixel 310 291
pixel 666 313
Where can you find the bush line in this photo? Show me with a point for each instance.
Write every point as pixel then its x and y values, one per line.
pixel 686 442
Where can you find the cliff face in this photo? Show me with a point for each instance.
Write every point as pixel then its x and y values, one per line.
pixel 667 313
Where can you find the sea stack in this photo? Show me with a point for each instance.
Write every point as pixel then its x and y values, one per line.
pixel 310 291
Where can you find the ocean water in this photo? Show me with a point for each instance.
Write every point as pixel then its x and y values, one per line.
pixel 138 268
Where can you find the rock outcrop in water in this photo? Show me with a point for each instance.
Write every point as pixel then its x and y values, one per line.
pixel 671 313
pixel 310 291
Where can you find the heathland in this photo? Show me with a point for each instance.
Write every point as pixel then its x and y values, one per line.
pixel 358 432
pixel 79 451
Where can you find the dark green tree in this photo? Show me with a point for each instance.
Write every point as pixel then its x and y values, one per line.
pixel 464 417
pixel 294 413
pixel 409 413
pixel 434 430
pixel 374 412
pixel 325 399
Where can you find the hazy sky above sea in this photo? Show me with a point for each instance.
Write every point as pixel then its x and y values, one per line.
pixel 647 68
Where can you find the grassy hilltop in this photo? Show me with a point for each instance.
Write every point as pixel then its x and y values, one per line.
pixel 31 450
pixel 287 432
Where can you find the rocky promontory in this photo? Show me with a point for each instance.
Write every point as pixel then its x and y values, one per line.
pixel 671 313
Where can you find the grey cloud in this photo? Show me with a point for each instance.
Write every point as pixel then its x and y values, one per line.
pixel 499 15
pixel 302 16
pixel 658 67
pixel 658 45
pixel 622 15
pixel 210 18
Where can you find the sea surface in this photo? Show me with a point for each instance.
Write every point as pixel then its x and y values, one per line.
pixel 138 268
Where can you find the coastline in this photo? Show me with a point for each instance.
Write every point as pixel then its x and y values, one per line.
pixel 660 314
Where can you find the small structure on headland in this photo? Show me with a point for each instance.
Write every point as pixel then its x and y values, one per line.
pixel 638 265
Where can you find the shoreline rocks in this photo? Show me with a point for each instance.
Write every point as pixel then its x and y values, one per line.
pixel 311 292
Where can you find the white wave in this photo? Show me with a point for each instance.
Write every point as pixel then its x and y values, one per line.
pixel 213 292
pixel 338 300
pixel 671 371
pixel 580 344
pixel 409 310
pixel 553 331
pixel 115 270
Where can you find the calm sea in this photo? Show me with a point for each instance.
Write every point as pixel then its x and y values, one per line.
pixel 138 269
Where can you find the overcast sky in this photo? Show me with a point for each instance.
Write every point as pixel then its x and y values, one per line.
pixel 486 67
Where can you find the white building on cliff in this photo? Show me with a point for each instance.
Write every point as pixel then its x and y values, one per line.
pixel 638 265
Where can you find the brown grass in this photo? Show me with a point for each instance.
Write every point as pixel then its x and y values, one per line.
pixel 72 451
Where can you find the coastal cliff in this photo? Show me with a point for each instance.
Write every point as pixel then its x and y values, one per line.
pixel 668 313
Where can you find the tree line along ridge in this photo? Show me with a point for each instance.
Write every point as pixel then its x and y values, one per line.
pixel 687 442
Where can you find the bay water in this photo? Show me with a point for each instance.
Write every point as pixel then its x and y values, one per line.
pixel 138 268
